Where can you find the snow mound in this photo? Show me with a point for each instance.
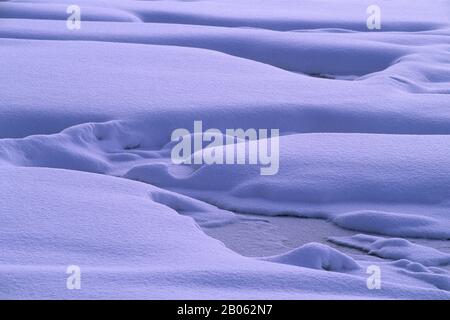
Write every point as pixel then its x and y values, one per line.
pixel 370 189
pixel 394 224
pixel 436 277
pixel 204 214
pixel 317 256
pixel 394 248
pixel 128 246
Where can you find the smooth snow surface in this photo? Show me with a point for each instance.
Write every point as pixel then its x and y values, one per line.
pixel 86 118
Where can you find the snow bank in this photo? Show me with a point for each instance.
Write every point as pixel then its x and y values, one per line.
pixel 360 182
pixel 437 277
pixel 317 256
pixel 162 62
pixel 285 15
pixel 364 123
pixel 390 223
pixel 128 246
pixel 395 248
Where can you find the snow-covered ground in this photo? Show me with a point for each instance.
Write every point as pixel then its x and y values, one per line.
pixel 87 178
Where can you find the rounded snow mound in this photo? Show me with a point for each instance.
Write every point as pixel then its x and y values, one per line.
pixel 317 256
pixel 394 224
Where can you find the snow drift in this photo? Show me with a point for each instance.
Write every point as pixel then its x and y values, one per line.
pixel 86 118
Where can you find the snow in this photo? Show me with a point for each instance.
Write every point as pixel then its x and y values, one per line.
pixel 393 224
pixel 395 248
pixel 129 246
pixel 317 256
pixel 86 118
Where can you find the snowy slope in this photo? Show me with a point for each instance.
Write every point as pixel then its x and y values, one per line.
pixel 129 246
pixel 86 118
